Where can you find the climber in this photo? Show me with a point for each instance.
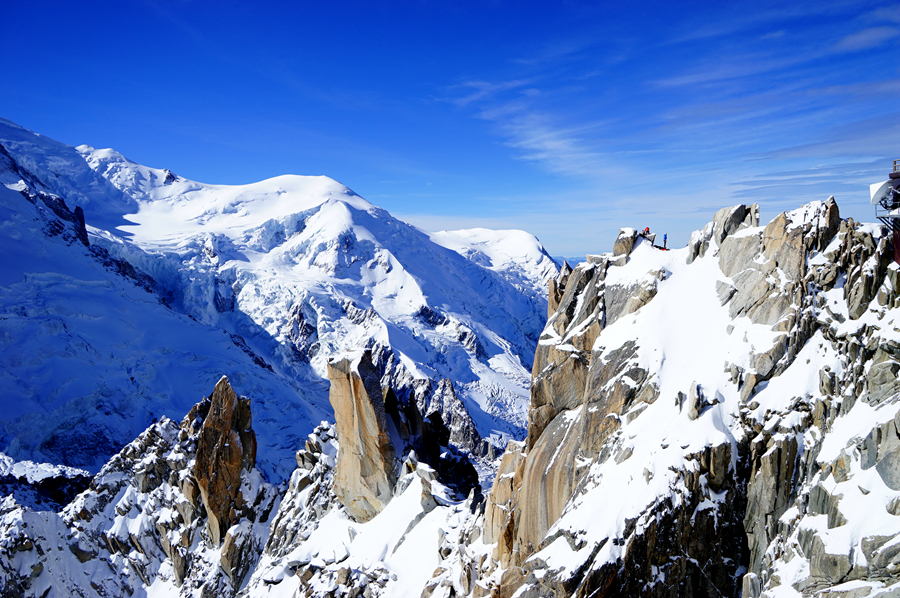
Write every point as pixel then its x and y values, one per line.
pixel 646 231
pixel 665 239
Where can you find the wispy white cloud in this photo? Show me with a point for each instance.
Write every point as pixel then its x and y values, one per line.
pixel 866 138
pixel 536 134
pixel 477 91
pixel 681 130
pixel 863 88
pixel 885 14
pixel 555 52
pixel 866 39
pixel 561 150
pixel 744 66
pixel 729 23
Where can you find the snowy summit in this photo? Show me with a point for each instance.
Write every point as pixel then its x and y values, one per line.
pixel 264 282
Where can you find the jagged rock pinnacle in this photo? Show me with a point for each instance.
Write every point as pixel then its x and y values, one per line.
pixel 227 444
pixel 365 472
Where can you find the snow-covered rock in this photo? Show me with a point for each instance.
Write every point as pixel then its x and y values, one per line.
pixel 145 522
pixel 736 433
pixel 40 486
pixel 151 522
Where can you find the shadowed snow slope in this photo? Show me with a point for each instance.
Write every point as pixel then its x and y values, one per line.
pixel 263 282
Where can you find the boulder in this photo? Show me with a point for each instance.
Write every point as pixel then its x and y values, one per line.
pixel 881 552
pixel 783 243
pixel 236 556
pixel 889 470
pixel 646 290
pixel 726 222
pixel 829 568
pixel 625 242
pixel 751 586
pixel 724 291
pixel 366 471
pixel 699 242
pixel 730 220
pixel 695 401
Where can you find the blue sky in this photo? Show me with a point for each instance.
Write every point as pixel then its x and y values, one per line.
pixel 565 119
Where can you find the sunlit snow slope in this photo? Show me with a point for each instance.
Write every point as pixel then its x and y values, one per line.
pixel 263 282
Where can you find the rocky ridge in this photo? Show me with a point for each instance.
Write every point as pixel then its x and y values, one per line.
pixel 182 511
pixel 721 420
pixel 151 516
pixel 41 486
pixel 747 471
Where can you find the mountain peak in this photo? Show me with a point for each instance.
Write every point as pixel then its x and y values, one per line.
pixel 272 279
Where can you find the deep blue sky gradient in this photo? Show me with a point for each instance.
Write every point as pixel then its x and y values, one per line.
pixel 567 119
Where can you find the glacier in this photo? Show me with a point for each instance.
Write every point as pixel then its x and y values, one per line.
pixel 264 282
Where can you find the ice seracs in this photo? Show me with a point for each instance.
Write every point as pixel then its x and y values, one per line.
pixel 281 275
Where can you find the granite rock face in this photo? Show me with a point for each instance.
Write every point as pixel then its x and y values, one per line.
pixel 749 510
pixel 377 429
pixel 145 520
pixel 367 463
pixel 226 447
pixel 722 420
pixel 624 242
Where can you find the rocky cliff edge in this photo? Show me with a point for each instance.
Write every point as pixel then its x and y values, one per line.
pixel 718 420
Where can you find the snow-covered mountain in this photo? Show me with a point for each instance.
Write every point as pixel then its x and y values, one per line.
pixel 717 420
pixel 264 282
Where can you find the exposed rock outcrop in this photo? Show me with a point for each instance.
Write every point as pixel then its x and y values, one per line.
pixel 377 429
pixel 556 288
pixel 367 463
pixel 651 467
pixel 725 223
pixel 300 335
pixel 145 521
pixel 226 447
pixel 624 242
pixel 793 284
pixel 41 485
pixel 444 404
